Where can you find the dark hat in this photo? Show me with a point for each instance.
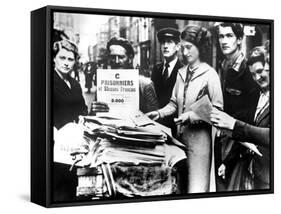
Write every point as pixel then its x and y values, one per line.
pixel 122 42
pixel 168 33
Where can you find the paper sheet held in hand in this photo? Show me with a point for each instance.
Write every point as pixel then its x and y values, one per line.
pixel 203 108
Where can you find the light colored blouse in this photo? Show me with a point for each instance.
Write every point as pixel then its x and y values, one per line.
pixel 186 92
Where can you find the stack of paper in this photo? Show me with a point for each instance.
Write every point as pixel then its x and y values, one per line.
pixel 122 132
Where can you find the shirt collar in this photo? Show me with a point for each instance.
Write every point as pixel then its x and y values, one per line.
pixel 237 62
pixel 194 68
pixel 172 63
pixel 265 94
pixel 59 74
pixel 198 70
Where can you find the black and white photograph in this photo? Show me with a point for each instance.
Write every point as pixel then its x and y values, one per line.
pixel 151 106
pixel 140 106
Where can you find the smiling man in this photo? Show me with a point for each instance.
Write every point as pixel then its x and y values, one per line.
pixel 256 171
pixel 259 67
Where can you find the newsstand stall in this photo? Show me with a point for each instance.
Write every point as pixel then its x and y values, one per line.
pixel 119 158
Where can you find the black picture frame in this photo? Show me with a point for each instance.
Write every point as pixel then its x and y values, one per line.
pixel 42 21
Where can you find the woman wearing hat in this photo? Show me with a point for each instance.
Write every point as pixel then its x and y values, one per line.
pixel 194 80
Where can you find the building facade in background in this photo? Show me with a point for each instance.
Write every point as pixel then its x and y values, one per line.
pixel 141 32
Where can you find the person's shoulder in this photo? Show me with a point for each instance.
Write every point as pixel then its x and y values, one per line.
pixel 205 66
pixel 243 65
pixel 183 68
pixel 158 66
pixel 74 82
pixel 179 64
pixel 144 80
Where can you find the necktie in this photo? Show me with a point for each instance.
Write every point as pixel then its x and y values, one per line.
pixel 166 71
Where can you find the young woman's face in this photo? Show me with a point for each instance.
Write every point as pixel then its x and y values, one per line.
pixel 64 61
pixel 190 52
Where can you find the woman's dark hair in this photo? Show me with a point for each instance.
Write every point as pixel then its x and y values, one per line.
pixel 67 45
pixel 59 35
pixel 257 54
pixel 200 37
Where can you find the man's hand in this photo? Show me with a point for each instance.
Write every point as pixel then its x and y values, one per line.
pixel 222 120
pixel 99 107
pixel 153 115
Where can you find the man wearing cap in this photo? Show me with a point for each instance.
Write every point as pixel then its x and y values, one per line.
pixel 121 55
pixel 164 74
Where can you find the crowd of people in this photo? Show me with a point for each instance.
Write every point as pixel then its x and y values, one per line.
pixel 239 91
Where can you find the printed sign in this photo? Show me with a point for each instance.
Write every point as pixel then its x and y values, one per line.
pixel 119 89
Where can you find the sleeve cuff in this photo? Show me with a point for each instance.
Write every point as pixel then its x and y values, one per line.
pixel 238 130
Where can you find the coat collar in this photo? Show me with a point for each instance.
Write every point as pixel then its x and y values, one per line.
pixel 178 65
pixel 172 63
pixel 201 69
pixel 236 64
pixel 263 115
pixel 60 83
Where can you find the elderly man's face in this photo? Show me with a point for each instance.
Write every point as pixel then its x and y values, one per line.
pixel 260 74
pixel 118 58
pixel 64 61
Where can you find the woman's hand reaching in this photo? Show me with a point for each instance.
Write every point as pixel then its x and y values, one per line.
pixel 188 117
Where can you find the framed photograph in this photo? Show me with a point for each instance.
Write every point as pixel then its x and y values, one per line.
pixel 131 106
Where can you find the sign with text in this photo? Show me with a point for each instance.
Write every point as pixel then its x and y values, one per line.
pixel 119 88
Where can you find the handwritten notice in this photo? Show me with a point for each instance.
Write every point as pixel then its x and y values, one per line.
pixel 119 89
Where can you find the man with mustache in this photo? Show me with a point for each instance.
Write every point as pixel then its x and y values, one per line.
pixel 120 56
pixel 240 93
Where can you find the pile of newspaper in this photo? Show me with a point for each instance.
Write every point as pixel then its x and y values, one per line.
pixel 124 159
